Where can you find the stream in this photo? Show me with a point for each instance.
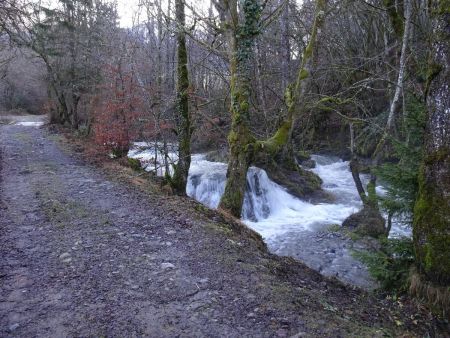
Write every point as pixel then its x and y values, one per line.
pixel 290 226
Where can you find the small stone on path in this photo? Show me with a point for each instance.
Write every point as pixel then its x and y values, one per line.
pixel 13 327
pixel 167 266
pixel 65 257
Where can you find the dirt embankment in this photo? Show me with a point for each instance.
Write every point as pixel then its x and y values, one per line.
pixel 100 251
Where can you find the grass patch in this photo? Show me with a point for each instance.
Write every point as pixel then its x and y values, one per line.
pixel 219 227
pixel 334 228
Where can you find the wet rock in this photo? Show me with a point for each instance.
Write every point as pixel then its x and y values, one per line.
pixel 309 164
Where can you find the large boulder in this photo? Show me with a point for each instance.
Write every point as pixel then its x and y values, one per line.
pixel 367 222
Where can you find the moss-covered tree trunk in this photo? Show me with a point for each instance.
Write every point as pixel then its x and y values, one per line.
pixel 241 27
pixel 241 33
pixel 184 127
pixel 431 230
pixel 240 143
pixel 279 143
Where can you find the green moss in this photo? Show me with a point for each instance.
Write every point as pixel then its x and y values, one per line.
pixel 334 228
pixel 288 96
pixel 232 137
pixel 432 224
pixel 308 52
pixel 135 164
pixel 244 105
pixel 303 74
pixel 372 194
pixel 232 201
pixel 278 140
pixel 439 155
pixel 396 19
pixel 443 7
pixel 219 227
pixel 201 208
pixel 24 137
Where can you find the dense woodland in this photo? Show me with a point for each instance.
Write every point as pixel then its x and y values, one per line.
pixel 260 83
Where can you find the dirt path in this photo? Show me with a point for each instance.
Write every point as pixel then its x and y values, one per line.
pixel 87 256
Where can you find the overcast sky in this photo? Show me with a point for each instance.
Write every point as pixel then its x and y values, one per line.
pixel 128 9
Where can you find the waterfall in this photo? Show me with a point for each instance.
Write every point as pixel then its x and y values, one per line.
pixel 268 208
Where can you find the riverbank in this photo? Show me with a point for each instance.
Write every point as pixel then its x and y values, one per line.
pixel 101 251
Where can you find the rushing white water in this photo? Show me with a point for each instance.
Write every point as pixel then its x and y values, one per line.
pixel 152 157
pixel 268 208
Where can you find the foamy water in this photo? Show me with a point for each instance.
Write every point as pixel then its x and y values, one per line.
pixel 268 208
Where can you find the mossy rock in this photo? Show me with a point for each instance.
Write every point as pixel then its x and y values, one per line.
pixel 302 155
pixel 366 222
pixel 299 182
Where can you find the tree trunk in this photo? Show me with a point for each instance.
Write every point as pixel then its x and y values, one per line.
pixel 431 229
pixel 399 87
pixel 243 146
pixel 280 142
pixel 184 127
pixel 240 38
pixel 239 138
pixel 74 110
pixel 261 92
pixel 370 200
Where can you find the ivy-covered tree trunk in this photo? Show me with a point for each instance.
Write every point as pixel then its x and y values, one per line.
pixel 431 230
pixel 240 38
pixel 184 127
pixel 244 148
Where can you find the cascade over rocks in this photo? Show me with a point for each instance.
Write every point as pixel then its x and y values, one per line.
pixel 298 182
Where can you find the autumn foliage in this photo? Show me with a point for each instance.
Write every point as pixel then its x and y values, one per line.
pixel 117 110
